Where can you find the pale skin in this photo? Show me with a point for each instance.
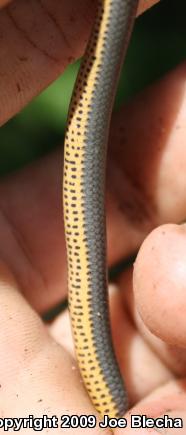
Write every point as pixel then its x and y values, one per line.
pixel 146 189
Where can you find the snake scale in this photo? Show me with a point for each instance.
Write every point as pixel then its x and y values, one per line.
pixel 84 203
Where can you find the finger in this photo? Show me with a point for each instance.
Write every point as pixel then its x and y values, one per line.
pixel 33 365
pixel 147 162
pixel 170 357
pixel 167 400
pixel 145 4
pixel 40 39
pixel 159 283
pixel 32 233
pixel 60 329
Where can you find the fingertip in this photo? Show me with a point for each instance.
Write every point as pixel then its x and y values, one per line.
pixel 159 283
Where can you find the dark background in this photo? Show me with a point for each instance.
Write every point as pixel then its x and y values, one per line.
pixel 157 45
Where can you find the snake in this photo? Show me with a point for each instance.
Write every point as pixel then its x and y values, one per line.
pixel 85 155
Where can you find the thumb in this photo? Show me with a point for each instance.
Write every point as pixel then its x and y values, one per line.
pixel 38 40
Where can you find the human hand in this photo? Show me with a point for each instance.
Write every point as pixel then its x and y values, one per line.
pixel 33 261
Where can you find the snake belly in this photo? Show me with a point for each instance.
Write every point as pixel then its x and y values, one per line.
pixel 84 204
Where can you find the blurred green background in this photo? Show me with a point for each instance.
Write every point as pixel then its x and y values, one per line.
pixel 158 43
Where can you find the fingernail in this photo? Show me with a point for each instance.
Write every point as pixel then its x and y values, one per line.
pixel 175 422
